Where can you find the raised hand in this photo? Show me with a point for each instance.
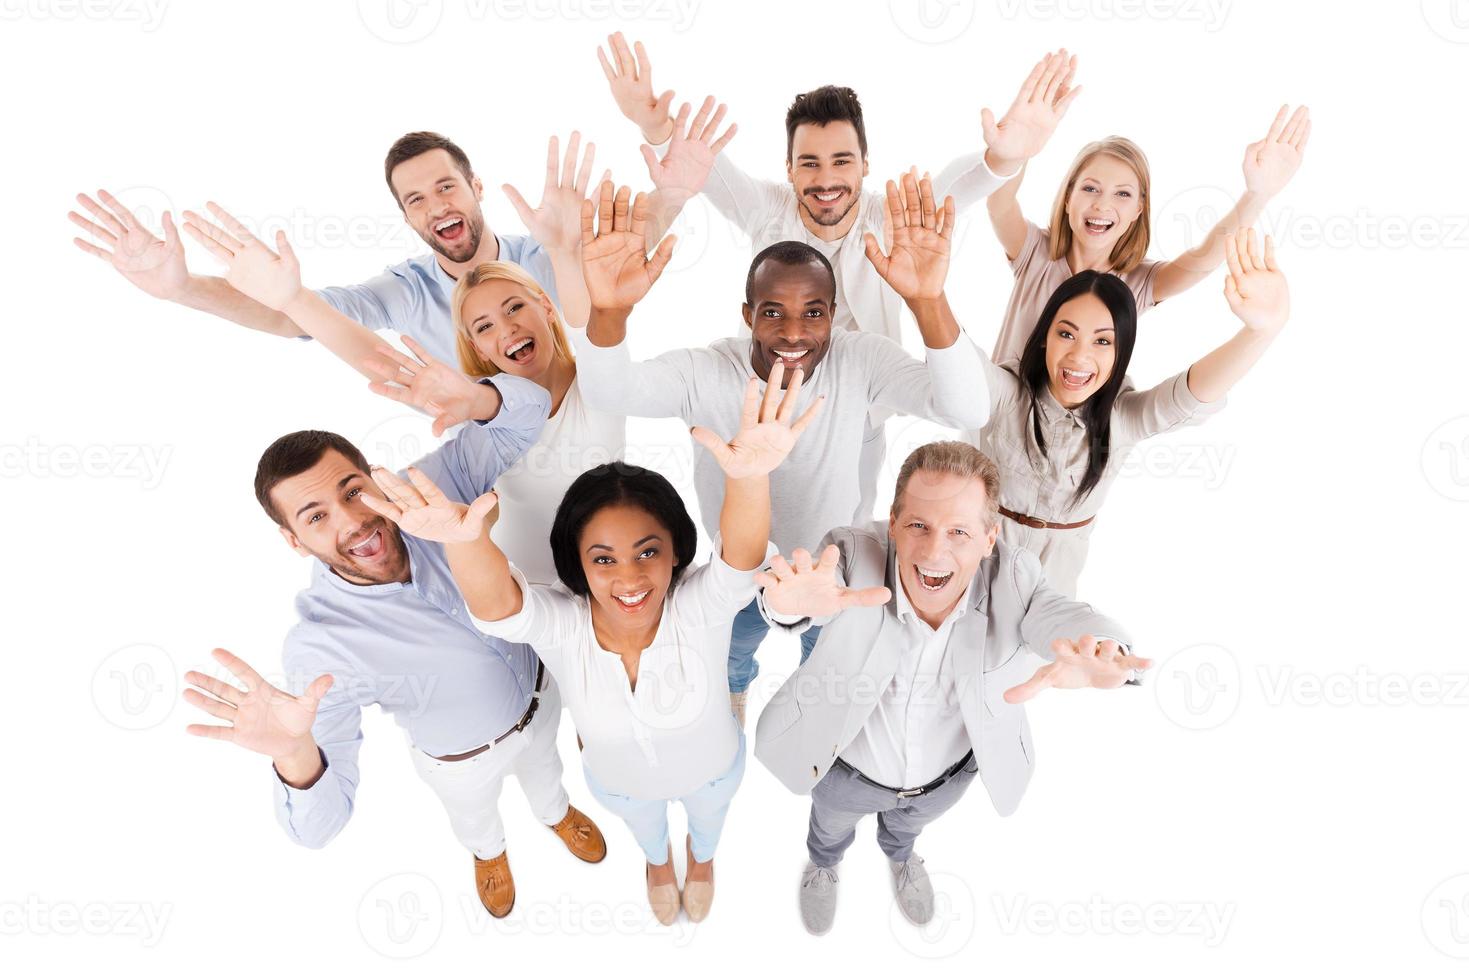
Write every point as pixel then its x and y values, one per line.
pixel 260 718
pixel 918 263
pixel 1271 162
pixel 1032 117
pixel 614 256
pixel 1255 287
pixel 421 508
pixel 556 222
pixel 271 279
pixel 766 431
pixel 154 265
pixel 691 153
pixel 631 81
pixel 1082 663
pixel 429 385
pixel 797 588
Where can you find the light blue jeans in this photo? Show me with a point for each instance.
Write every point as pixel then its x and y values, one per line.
pixel 706 806
pixel 745 635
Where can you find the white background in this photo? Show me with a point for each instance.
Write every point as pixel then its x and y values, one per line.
pixel 1289 787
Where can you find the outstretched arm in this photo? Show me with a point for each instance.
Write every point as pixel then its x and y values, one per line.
pixel 1259 295
pixel 813 592
pixel 615 262
pixel 1269 165
pixel 157 266
pixel 683 169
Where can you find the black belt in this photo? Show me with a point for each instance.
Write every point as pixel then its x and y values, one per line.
pixel 530 713
pixel 918 791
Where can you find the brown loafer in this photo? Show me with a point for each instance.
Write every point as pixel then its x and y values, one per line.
pixel 495 885
pixel 697 895
pixel 581 837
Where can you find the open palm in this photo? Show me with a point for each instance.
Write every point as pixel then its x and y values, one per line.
pixel 261 718
pixel 767 432
pixel 1271 163
pixel 691 151
pixel 1031 119
pixel 155 265
pixel 1255 288
pixel 556 222
pixel 615 262
pixel 1080 663
pixel 918 262
pixel 797 588
pixel 426 383
pixel 421 509
pixel 270 279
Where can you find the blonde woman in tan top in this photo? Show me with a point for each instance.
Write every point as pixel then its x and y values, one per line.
pixel 1101 220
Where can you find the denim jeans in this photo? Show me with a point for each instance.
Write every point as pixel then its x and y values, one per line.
pixel 744 638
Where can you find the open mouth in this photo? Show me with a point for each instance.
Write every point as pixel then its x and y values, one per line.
pixel 369 547
pixel 633 601
pixel 792 357
pixel 932 580
pixel 1076 380
pixel 522 350
pixel 450 229
pixel 1098 226
pixel 827 197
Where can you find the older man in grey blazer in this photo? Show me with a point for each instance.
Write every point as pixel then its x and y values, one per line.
pixel 916 684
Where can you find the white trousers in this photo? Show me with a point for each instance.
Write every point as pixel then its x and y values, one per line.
pixel 470 788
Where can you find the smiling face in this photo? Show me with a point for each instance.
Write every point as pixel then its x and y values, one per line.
pixel 510 326
pixel 826 170
pixel 939 533
pixel 1105 201
pixel 325 517
pixel 789 317
pixel 628 558
pixel 441 203
pixel 1081 349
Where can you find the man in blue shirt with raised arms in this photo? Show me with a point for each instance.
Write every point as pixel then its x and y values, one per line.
pixel 383 623
pixel 439 194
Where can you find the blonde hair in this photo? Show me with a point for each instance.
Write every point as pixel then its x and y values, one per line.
pixel 471 361
pixel 956 459
pixel 1132 247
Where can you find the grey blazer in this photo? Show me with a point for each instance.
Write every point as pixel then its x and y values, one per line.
pixel 824 704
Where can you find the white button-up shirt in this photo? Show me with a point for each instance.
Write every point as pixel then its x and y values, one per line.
pixel 916 730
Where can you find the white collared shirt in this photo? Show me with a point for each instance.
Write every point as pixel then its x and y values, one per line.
pixel 916 730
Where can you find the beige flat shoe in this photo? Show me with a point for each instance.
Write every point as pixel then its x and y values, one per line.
pixel 697 895
pixel 737 705
pixel 663 899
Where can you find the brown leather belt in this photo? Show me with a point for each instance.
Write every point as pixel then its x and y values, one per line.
pixel 1036 522
pixel 530 713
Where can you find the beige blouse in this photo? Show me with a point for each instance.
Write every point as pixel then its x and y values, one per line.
pixel 1043 488
pixel 1037 277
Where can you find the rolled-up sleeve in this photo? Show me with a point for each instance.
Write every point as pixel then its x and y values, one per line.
pixel 469 464
pixel 969 179
pixel 1169 405
pixel 611 381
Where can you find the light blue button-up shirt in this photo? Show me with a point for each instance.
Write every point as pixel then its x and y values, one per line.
pixel 410 647
pixel 413 297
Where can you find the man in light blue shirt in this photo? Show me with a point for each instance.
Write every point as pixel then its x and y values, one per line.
pixel 440 196
pixel 383 623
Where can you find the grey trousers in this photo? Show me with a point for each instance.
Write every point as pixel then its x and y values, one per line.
pixel 842 799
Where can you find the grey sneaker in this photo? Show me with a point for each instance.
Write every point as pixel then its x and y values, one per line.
pixel 914 890
pixel 818 898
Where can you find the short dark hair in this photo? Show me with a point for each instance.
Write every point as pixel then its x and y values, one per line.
pixel 828 104
pixel 293 454
pixel 788 253
pixel 411 145
pixel 606 486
